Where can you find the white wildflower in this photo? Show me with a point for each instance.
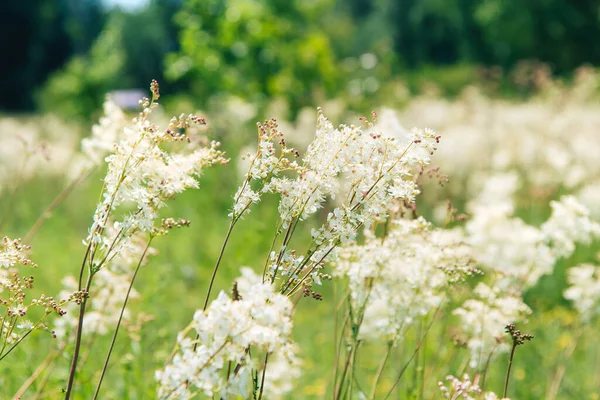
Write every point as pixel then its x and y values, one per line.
pixel 569 225
pixel 13 252
pixel 584 290
pixel 259 318
pixel 465 389
pixel 484 318
pixel 403 277
pixel 143 175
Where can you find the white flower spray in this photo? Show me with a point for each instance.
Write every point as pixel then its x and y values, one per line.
pixel 141 177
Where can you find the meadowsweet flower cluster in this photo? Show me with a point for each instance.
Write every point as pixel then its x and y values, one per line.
pixel 366 170
pixel 268 162
pixel 400 278
pixel 551 138
pixel 14 253
pixel 483 319
pixel 141 176
pixel 22 315
pixel 512 249
pixel 219 361
pixel 145 169
pixel 569 225
pixel 464 389
pixel 109 130
pixel 584 290
pixel 507 245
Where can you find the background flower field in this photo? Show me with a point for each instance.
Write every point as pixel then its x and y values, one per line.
pixel 512 193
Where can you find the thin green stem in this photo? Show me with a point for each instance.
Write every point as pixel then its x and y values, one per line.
pixel 413 354
pixel 380 369
pixel 75 359
pixel 23 336
pixel 487 367
pixel 262 380
pixel 510 361
pixel 114 338
pixel 216 267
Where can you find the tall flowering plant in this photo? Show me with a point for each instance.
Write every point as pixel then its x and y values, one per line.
pixel 142 176
pixel 364 170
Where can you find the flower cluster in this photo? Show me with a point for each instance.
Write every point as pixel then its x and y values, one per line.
pixel 105 134
pixel 483 319
pixel 402 277
pixel 14 253
pixel 220 361
pixel 465 389
pixel 551 139
pixel 584 290
pixel 142 175
pixel 518 252
pixel 569 224
pixel 268 162
pixel 23 315
pixel 365 170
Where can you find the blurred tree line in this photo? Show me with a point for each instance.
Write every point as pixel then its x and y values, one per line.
pixel 65 54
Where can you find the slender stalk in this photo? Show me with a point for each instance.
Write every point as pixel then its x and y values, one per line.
pixel 423 364
pixel 22 337
pixel 338 351
pixel 262 380
pixel 216 267
pixel 114 338
pixel 344 373
pixel 510 360
pixel 353 370
pixel 8 332
pixel 415 378
pixel 73 369
pixel 336 321
pixel 560 371
pixel 487 367
pixel 308 273
pixel 380 369
pixel 413 354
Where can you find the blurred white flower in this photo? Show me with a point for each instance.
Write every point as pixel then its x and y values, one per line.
pixel 569 225
pixel 403 277
pixel 484 318
pixel 584 290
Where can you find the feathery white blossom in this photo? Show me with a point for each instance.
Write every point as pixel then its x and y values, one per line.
pixel 366 170
pixel 403 276
pixel 142 175
pixel 259 319
pixel 483 320
pixel 569 224
pixel 584 290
